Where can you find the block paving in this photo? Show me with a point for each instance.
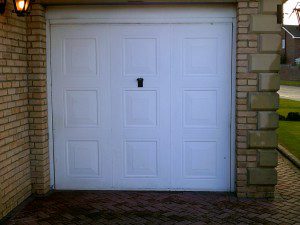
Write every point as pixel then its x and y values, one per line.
pixel 121 207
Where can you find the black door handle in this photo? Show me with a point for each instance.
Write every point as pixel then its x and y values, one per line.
pixel 140 82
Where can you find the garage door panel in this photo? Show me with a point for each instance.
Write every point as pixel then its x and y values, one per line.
pixel 140 56
pixel 81 111
pixel 142 51
pixel 199 159
pixel 80 57
pixel 200 56
pixel 140 108
pixel 83 162
pixel 202 52
pixel 141 158
pixel 84 158
pixel 195 116
pixel 171 134
pixel 82 108
pixel 201 81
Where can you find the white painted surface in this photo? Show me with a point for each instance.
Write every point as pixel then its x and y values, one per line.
pixel 81 106
pixel 141 116
pixel 172 134
pixel 201 99
pixel 141 14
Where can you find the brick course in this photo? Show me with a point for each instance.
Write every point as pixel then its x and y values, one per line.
pixel 15 184
pixel 24 165
pixel 37 87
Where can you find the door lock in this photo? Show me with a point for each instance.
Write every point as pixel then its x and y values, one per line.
pixel 140 82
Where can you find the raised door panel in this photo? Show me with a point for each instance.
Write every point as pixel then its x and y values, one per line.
pixel 141 158
pixel 199 159
pixel 80 56
pixel 140 56
pixel 81 108
pixel 140 108
pixel 200 56
pixel 200 108
pixel 84 158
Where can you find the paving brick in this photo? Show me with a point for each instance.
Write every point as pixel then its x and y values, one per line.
pixel 113 207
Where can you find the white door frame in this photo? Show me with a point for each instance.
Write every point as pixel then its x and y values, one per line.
pixel 91 15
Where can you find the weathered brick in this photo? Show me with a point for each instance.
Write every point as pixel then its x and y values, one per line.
pixel 264 62
pixel 264 24
pixel 270 42
pixel 263 101
pixel 268 158
pixel 262 176
pixel 268 120
pixel 269 82
pixel 270 6
pixel 262 139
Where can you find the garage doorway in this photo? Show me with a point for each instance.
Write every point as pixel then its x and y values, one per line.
pixel 174 131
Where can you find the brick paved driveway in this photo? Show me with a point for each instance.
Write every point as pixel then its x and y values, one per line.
pixel 167 208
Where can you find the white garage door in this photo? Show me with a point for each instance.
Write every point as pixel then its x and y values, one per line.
pixel 173 133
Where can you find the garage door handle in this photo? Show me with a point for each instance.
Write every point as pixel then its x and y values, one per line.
pixel 140 82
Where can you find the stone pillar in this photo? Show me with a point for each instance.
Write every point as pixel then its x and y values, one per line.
pixel 258 61
pixel 37 85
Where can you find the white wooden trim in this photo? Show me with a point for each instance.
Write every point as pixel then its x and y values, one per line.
pixel 141 14
pixel 141 21
pixel 59 16
pixel 49 102
pixel 126 2
pixel 233 110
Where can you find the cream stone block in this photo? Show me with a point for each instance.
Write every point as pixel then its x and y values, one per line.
pixel 270 42
pixel 264 24
pixel 270 6
pixel 262 139
pixel 264 62
pixel 269 82
pixel 263 101
pixel 268 120
pixel 262 176
pixel 268 158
